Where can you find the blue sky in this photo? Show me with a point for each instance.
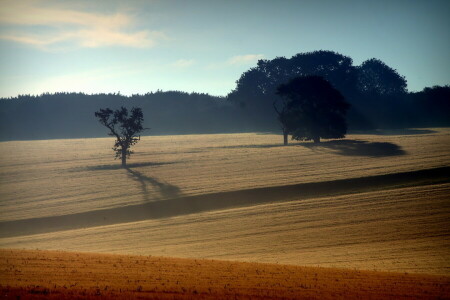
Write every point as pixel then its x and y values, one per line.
pixel 139 46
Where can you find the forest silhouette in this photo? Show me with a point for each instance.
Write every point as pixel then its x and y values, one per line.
pixel 377 94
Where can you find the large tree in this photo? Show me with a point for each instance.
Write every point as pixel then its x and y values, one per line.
pixel 375 90
pixel 312 109
pixel 382 94
pixel 124 127
pixel 256 89
pixel 264 79
pixel 375 77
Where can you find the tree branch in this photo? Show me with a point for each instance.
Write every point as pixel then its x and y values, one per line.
pixel 275 107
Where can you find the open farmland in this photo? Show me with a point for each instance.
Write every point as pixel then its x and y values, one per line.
pixel 374 202
pixel 60 177
pixel 60 275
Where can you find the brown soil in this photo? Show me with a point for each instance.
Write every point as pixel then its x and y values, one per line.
pixel 32 274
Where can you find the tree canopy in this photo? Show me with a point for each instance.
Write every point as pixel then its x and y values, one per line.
pixel 124 127
pixel 312 109
pixel 430 106
pixel 372 88
pixel 258 86
pixel 375 77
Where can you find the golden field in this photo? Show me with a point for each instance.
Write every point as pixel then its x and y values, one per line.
pixel 58 177
pixel 32 274
pixel 369 202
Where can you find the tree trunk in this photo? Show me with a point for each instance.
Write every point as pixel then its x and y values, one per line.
pixel 124 158
pixel 316 139
pixel 285 137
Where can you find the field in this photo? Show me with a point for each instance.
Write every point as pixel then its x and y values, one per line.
pixel 58 275
pixel 376 202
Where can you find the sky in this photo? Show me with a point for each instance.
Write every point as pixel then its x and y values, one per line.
pixel 137 46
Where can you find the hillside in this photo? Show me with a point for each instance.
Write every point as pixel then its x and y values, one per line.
pixel 376 202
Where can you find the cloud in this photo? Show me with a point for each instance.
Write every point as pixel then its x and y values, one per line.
pixel 34 23
pixel 183 63
pixel 245 59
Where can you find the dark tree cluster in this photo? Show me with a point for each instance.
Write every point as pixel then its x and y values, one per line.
pixel 376 78
pixel 430 107
pixel 311 109
pixel 70 115
pixel 370 88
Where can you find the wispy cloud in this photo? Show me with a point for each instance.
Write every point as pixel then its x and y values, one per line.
pixel 183 63
pixel 40 24
pixel 245 59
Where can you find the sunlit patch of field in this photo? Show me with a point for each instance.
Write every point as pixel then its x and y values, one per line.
pixel 403 230
pixel 57 177
pixel 62 275
pixel 363 202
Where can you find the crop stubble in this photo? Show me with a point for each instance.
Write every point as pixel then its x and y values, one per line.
pixel 402 228
pixel 62 275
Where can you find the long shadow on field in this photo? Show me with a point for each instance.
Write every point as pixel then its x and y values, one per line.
pixel 132 165
pixel 404 131
pixel 164 189
pixel 341 147
pixel 260 146
pixel 358 148
pixel 208 202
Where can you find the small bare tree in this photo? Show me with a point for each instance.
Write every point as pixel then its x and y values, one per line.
pixel 124 127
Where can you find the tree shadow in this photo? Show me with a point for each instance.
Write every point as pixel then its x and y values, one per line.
pixel 359 148
pixel 118 166
pixel 218 201
pixel 403 131
pixel 165 190
pixel 261 146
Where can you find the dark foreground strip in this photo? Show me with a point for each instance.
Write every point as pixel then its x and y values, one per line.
pixel 209 202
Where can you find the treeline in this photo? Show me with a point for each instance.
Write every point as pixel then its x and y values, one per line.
pixel 71 115
pixel 377 94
